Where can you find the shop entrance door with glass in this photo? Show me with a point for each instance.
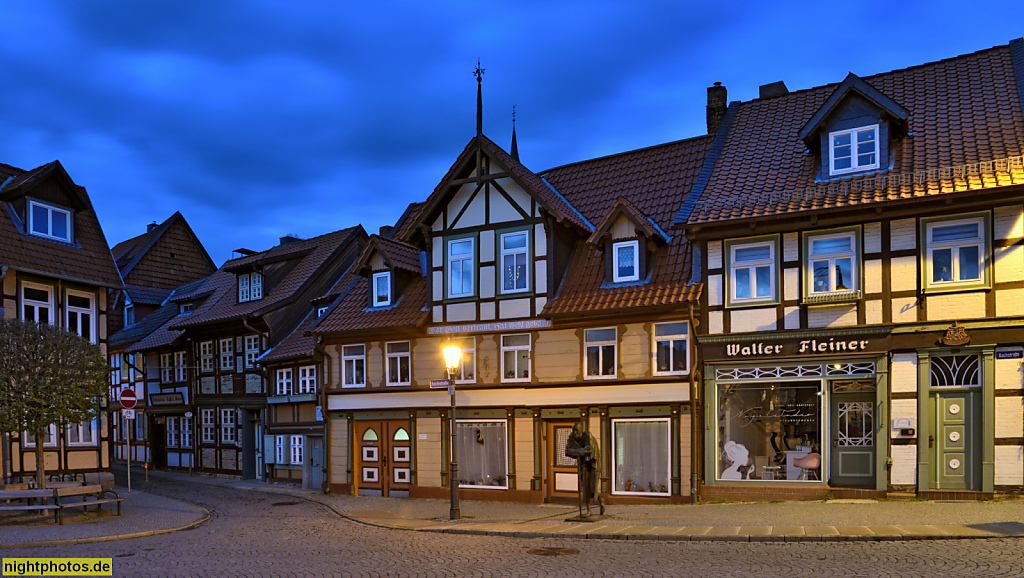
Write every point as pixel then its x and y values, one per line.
pixel 561 477
pixel 852 462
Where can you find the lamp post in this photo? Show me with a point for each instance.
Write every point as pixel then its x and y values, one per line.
pixel 452 361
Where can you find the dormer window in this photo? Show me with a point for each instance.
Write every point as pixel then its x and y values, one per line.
pixel 250 287
pixel 186 308
pixel 382 289
pixel 320 311
pixel 853 150
pixel 625 261
pixel 50 221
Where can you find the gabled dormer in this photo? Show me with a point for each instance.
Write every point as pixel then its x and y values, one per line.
pixel 45 202
pixel 853 131
pixel 630 240
pixel 390 266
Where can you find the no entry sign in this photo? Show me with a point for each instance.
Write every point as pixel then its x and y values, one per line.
pixel 128 399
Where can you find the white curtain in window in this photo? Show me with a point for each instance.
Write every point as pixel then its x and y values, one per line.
pixel 482 455
pixel 641 456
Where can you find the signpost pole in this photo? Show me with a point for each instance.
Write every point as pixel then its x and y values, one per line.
pixel 130 427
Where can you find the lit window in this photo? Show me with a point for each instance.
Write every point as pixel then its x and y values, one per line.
pixel 460 268
pixel 252 350
pixel 670 352
pixel 641 456
pixel 467 361
pixel 79 315
pixel 515 268
pixel 353 360
pixel 515 357
pixel 206 356
pixel 854 150
pixel 381 289
pixel 307 379
pixel 752 272
pixel 483 454
pixel 600 352
pixel 956 252
pixel 227 426
pixel 37 303
pixel 227 356
pixel 625 262
pixel 45 220
pixel 832 264
pixel 399 363
pixel 284 382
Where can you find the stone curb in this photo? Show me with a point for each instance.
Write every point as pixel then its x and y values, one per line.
pixel 94 539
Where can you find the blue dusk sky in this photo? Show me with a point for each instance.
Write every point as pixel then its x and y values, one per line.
pixel 258 119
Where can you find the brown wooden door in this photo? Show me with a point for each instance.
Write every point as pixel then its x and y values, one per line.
pixel 561 477
pixel 383 457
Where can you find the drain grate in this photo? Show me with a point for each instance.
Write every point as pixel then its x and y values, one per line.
pixel 553 551
pixel 285 503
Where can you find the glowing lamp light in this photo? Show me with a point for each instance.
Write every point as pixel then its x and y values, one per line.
pixel 452 358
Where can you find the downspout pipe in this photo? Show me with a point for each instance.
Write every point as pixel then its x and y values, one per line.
pixel 696 443
pixel 322 395
pixel 5 440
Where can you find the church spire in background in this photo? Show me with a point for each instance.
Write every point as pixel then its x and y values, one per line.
pixel 515 146
pixel 479 72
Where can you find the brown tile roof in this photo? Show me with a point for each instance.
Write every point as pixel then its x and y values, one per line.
pixel 624 206
pixel 654 181
pixel 296 344
pixel 87 261
pixel 154 331
pixel 223 304
pixel 400 255
pixel 966 132
pixel 352 312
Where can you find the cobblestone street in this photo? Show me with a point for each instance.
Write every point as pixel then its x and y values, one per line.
pixel 254 533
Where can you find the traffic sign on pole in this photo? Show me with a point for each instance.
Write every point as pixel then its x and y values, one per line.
pixel 128 413
pixel 128 399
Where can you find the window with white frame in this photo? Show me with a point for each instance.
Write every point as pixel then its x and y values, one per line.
pixel 297 447
pixel 467 361
pixel 82 434
pixel 37 303
pixel 832 264
pixel 307 379
pixel 599 352
pixel 250 287
pixel 399 360
pixel 320 311
pixel 353 360
pixel 461 271
pixel 180 369
pixel 227 426
pixel 853 150
pixel 515 357
pixel 173 433
pixel 284 381
pixel 115 370
pixel 186 308
pixel 208 424
pixel 956 252
pixel 50 221
pixel 166 368
pixel 752 272
pixel 49 437
pixel 78 315
pixel 483 454
pixel 185 427
pixel 279 442
pixel 625 261
pixel 129 315
pixel 515 262
pixel 206 356
pixel 252 350
pixel 641 456
pixel 227 355
pixel 671 355
pixel 382 289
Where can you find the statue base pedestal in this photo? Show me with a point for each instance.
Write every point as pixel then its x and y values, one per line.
pixel 585 519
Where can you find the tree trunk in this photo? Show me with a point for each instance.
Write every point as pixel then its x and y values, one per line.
pixel 40 466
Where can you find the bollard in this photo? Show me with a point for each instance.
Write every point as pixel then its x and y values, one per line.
pixel 146 467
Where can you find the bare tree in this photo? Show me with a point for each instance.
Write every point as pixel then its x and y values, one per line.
pixel 47 376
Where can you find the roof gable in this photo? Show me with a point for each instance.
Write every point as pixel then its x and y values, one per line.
pixel 625 208
pixel 853 85
pixel 23 184
pixel 396 254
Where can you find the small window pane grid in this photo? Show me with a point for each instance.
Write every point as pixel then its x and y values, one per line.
pixel 185 427
pixel 483 454
pixel 956 252
pixel 561 440
pixel 227 426
pixel 227 357
pixel 307 379
pixel 166 368
pixel 279 442
pixel 641 459
pixel 515 357
pixel 115 370
pixel 37 303
pixel 284 382
pixel 250 287
pixel 856 424
pixel 460 268
pixel 49 221
pixel 780 371
pixel 625 261
pixel 79 315
pixel 354 365
pixel 955 371
pixel 399 361
pixel 208 425
pixel 515 268
pixel 206 356
pixel 670 352
pixel 381 289
pixel 866 368
pixel 599 353
pixel 854 150
pixel 180 369
pixel 298 445
pixel 172 432
pixel 832 264
pixel 752 272
pixel 82 434
pixel 467 362
pixel 252 350
pixel 854 386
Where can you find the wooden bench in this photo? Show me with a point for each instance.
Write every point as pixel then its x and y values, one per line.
pixel 91 496
pixel 15 486
pixel 33 500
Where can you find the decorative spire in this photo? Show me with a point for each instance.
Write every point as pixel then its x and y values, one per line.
pixel 515 146
pixel 479 72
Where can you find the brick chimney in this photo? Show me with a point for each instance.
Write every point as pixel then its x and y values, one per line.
pixel 385 231
pixel 289 239
pixel 151 226
pixel 772 90
pixel 716 106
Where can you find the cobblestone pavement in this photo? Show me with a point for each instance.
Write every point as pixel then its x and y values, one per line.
pixel 254 533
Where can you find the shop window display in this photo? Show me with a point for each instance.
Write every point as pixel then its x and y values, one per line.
pixel 641 459
pixel 483 455
pixel 764 429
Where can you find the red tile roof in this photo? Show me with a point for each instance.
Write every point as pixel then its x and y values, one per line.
pixel 296 344
pixel 353 313
pixel 966 132
pixel 400 255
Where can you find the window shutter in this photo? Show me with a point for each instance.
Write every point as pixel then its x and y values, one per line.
pixel 269 453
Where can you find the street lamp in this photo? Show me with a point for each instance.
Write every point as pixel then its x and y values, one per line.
pixel 452 361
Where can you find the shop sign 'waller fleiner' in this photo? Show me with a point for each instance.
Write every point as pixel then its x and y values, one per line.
pixel 803 346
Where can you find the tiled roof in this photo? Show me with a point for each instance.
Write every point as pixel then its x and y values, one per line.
pixel 624 206
pixel 297 344
pixel 223 304
pixel 352 312
pixel 87 261
pixel 655 181
pixel 153 330
pixel 146 295
pixel 966 131
pixel 401 255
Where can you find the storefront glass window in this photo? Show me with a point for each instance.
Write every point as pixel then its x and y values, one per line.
pixel 641 459
pixel 483 455
pixel 765 429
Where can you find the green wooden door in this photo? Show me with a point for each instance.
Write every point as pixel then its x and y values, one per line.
pixel 852 462
pixel 956 440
